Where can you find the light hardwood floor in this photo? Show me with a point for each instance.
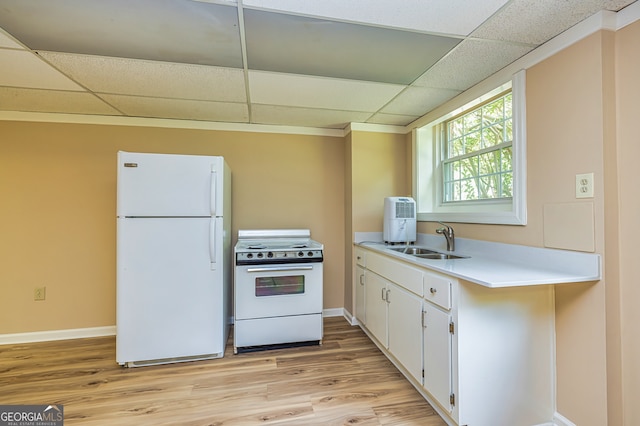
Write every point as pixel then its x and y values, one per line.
pixel 346 381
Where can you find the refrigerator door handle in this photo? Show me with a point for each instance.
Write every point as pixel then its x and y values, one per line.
pixel 212 243
pixel 214 185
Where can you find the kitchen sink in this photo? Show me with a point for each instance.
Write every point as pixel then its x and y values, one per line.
pixel 439 256
pixel 414 250
pixel 424 253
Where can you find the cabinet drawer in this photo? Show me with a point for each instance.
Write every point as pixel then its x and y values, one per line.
pixel 398 272
pixel 437 289
pixel 361 257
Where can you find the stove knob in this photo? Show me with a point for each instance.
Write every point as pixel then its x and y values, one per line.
pixel 250 256
pixel 260 255
pixel 310 254
pixel 270 254
pixel 300 254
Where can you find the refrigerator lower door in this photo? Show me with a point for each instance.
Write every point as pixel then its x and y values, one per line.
pixel 170 303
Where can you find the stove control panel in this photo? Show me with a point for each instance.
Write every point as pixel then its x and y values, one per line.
pixel 264 257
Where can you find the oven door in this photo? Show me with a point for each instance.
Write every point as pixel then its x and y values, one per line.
pixel 278 290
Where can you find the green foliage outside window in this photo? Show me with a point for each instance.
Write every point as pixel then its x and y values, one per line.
pixel 478 152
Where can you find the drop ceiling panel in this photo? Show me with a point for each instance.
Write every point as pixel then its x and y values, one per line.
pixel 21 68
pixel 37 100
pixel 166 30
pixel 470 62
pixel 317 92
pixel 179 108
pixel 148 78
pixel 8 42
pixel 305 117
pixel 536 21
pixel 436 16
pixel 414 100
pixel 300 45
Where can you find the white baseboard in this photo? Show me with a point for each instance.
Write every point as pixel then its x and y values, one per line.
pixel 80 333
pixel 560 420
pixel 333 312
pixel 46 336
pixel 340 312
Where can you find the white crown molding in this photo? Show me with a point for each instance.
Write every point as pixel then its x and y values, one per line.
pixel 165 123
pixel 628 15
pixel 376 128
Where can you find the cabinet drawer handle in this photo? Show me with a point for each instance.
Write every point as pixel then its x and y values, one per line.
pixel 433 290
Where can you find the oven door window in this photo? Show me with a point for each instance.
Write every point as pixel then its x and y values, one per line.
pixel 278 286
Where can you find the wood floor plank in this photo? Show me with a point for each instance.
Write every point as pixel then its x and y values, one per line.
pixel 344 381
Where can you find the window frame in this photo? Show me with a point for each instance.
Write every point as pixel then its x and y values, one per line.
pixel 428 175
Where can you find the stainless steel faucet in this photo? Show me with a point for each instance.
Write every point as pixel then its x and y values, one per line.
pixel 447 231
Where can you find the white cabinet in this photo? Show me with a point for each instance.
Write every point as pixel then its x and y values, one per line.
pixel 393 306
pixel 376 307
pixel 394 320
pixel 437 345
pixel 405 328
pixel 481 356
pixel 400 273
pixel 504 356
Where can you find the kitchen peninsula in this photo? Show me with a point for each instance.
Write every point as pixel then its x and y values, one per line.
pixel 484 323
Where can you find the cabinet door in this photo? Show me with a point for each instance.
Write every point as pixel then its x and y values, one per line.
pixel 405 329
pixel 437 354
pixel 360 298
pixel 376 306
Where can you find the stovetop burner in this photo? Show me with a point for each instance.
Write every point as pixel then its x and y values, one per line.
pixel 276 246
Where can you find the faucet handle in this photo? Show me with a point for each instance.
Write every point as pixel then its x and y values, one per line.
pixel 446 227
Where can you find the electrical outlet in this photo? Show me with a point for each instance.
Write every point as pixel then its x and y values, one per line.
pixel 584 185
pixel 39 293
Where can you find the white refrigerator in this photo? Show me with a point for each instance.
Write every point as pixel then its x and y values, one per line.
pixel 173 258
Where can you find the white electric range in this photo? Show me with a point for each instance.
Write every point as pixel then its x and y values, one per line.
pixel 278 288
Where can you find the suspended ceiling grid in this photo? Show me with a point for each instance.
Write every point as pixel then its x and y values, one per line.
pixel 282 62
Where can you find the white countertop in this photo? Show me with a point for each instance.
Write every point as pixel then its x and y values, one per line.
pixel 495 264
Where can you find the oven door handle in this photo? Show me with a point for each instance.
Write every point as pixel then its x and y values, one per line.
pixel 280 268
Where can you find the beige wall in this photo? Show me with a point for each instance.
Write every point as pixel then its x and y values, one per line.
pixel 376 168
pixel 566 136
pixel 57 214
pixel 578 123
pixel 628 153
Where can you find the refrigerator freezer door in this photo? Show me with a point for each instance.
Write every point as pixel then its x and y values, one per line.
pixel 170 303
pixel 165 185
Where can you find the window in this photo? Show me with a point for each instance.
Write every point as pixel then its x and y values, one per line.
pixel 477 152
pixel 470 162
